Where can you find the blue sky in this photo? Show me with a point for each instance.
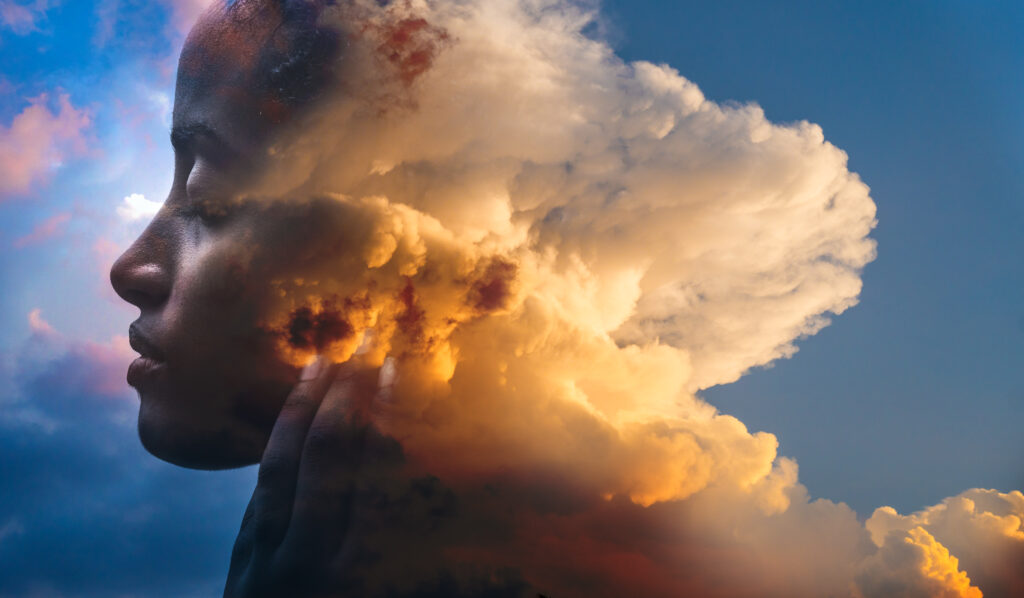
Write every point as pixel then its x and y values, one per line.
pixel 914 395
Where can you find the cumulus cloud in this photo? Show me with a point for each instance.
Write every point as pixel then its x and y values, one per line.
pixel 38 140
pixel 640 243
pixel 913 564
pixel 558 250
pixel 136 207
pixel 984 528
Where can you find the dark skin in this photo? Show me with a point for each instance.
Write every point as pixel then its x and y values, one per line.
pixel 211 378
pixel 214 391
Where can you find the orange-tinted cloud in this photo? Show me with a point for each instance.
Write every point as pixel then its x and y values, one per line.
pixel 557 250
pixel 983 528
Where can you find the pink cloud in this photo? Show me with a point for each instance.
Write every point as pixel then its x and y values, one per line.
pixel 97 367
pixel 106 365
pixel 38 325
pixel 21 18
pixel 47 229
pixel 106 251
pixel 38 140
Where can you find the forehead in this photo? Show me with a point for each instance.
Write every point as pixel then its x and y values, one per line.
pixel 221 84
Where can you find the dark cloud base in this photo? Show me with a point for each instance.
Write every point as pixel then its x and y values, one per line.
pixel 85 511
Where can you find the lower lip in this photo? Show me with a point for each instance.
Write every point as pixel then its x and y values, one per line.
pixel 142 370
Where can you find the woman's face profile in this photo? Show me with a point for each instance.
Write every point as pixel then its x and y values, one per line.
pixel 210 379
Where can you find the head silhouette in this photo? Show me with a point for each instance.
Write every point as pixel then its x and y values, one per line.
pixel 210 379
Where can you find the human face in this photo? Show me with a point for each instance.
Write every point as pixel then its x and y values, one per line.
pixel 209 378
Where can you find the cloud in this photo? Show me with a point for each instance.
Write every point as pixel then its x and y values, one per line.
pixel 92 514
pixel 39 140
pixel 38 325
pixel 658 243
pixel 984 528
pixel 654 243
pixel 136 207
pixel 913 564
pixel 45 230
pixel 22 17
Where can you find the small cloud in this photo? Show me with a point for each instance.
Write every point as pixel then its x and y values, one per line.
pixel 38 325
pixel 136 207
pixel 22 18
pixel 47 229
pixel 162 104
pixel 38 141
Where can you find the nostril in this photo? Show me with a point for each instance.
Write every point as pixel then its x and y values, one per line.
pixel 142 285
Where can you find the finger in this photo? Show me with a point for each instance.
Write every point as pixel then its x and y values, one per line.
pixel 279 466
pixel 331 461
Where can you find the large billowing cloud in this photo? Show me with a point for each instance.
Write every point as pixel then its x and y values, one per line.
pixel 559 250
pixel 38 140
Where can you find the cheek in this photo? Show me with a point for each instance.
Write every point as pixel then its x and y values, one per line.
pixel 215 296
pixel 220 274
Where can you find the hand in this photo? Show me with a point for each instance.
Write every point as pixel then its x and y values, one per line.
pixel 298 537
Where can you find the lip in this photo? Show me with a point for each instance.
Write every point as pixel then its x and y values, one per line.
pixel 150 361
pixel 143 370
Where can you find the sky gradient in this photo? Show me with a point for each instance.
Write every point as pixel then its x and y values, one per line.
pixel 913 395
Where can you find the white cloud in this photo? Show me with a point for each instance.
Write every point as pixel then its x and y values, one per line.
pixel 136 207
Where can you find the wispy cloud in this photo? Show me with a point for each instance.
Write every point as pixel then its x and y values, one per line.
pixel 47 229
pixel 23 17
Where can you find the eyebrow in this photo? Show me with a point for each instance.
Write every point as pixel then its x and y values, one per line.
pixel 187 137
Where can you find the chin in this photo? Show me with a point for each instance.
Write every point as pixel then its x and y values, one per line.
pixel 198 443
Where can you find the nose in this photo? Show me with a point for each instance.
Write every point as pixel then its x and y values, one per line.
pixel 143 274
